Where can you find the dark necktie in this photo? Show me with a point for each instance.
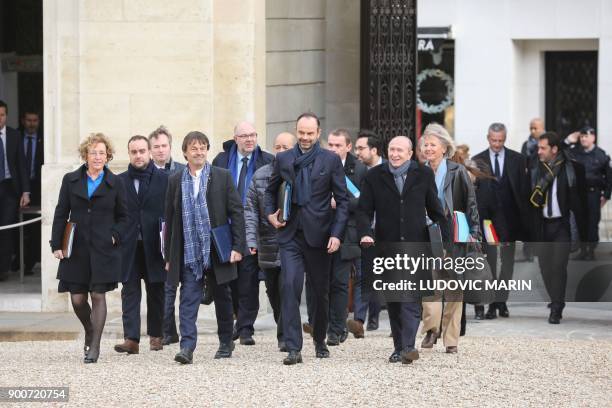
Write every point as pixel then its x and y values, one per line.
pixel 497 172
pixel 549 209
pixel 2 174
pixel 242 177
pixel 29 156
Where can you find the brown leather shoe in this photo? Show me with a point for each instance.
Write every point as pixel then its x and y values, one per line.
pixel 355 327
pixel 451 349
pixel 128 346
pixel 430 339
pixel 155 344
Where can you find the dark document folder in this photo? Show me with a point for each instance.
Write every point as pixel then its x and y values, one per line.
pixel 68 239
pixel 222 239
pixel 284 201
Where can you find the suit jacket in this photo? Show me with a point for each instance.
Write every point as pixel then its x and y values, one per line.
pixel 571 195
pixel 16 161
pixel 222 159
pixel 38 155
pixel 147 215
pixel 399 217
pixel 100 219
pixel 509 218
pixel 224 205
pixel 317 219
pixel 355 171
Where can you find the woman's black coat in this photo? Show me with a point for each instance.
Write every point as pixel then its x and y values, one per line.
pixel 98 220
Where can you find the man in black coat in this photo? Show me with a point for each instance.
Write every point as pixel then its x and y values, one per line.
pixel 145 187
pixel 242 157
pixel 598 175
pixel 339 142
pixel 508 211
pixel 396 195
pixel 33 149
pixel 14 186
pixel 312 233
pixel 558 188
pixel 201 201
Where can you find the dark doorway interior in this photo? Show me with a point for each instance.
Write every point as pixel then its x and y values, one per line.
pixel 571 90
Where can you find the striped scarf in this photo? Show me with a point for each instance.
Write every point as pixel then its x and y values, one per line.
pixel 196 223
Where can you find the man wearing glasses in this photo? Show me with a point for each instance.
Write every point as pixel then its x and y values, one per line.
pixel 242 157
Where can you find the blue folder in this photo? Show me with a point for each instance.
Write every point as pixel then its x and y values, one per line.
pixel 222 239
pixel 461 227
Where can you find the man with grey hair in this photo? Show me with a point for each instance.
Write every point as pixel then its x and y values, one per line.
pixel 242 157
pixel 507 212
pixel 396 195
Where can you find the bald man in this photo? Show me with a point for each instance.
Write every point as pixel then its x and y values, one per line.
pixel 242 157
pixel 536 129
pixel 396 194
pixel 261 236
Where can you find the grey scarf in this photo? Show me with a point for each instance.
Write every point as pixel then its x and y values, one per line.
pixel 399 174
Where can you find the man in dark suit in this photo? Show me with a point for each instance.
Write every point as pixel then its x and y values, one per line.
pixel 14 185
pixel 161 152
pixel 199 202
pixel 558 187
pixel 369 151
pixel 396 195
pixel 508 212
pixel 242 156
pixel 34 151
pixel 312 233
pixel 142 259
pixel 339 142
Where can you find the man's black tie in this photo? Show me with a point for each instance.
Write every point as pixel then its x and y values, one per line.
pixel 242 177
pixel 2 174
pixel 29 156
pixel 549 209
pixel 497 172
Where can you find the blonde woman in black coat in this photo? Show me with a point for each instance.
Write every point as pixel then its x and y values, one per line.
pixel 93 198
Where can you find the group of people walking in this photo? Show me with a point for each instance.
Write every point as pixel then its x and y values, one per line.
pixel 300 218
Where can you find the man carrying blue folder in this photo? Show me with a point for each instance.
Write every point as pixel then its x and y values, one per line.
pixel 242 156
pixel 200 202
pixel 312 233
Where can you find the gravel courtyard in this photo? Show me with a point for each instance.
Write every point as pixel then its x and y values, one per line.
pixel 488 371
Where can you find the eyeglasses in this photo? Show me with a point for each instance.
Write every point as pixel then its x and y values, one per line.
pixel 247 136
pixel 97 154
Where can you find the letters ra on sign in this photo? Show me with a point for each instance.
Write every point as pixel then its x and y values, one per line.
pixel 429 44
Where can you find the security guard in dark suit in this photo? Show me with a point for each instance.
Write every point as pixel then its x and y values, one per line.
pixel 596 164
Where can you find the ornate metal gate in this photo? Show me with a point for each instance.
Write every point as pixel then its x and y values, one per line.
pixel 388 67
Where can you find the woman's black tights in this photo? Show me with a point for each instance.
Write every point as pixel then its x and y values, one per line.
pixel 92 318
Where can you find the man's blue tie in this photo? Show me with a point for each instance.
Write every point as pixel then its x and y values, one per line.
pixel 2 174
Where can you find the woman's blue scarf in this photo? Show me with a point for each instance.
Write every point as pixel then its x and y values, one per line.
pixel 440 178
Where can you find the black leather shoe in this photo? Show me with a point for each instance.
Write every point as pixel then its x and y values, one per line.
pixel 491 312
pixel 170 340
pixel 91 357
pixel 321 350
pixel 343 336
pixel 395 357
pixel 582 256
pixel 555 317
pixel 282 346
pixel 225 350
pixel 184 356
pixel 247 341
pixel 372 324
pixel 332 340
pixel 503 309
pixel 479 312
pixel 292 358
pixel 408 355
